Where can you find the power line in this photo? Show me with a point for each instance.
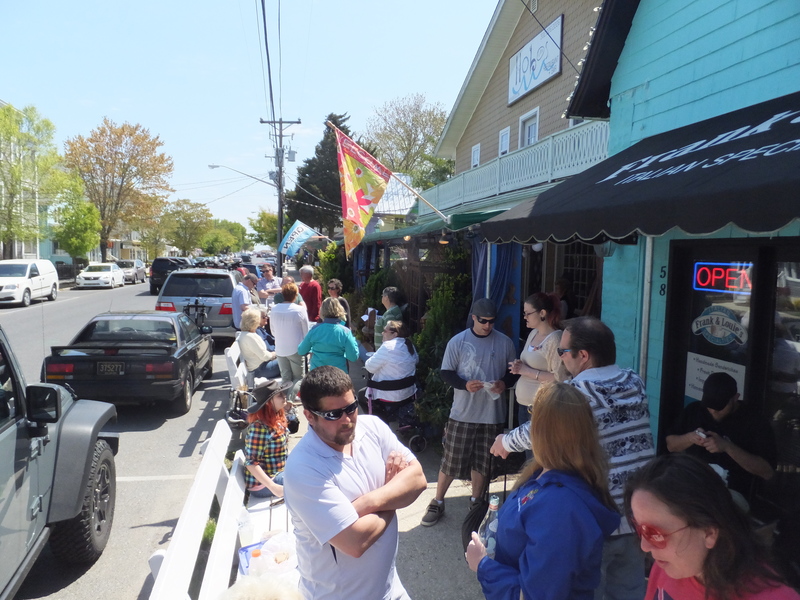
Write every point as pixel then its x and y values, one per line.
pixel 269 65
pixel 550 36
pixel 312 195
pixel 230 194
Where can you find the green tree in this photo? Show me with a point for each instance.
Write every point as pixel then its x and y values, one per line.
pixel 265 224
pixel 242 240
pixel 28 175
pixel 190 223
pixel 405 130
pixel 218 240
pixel 316 199
pixel 432 171
pixel 78 228
pixel 124 172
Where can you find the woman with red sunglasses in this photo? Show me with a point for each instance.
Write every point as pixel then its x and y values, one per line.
pixel 703 545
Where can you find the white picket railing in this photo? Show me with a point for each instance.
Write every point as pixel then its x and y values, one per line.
pixel 560 155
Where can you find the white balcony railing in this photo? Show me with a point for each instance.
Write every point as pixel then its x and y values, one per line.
pixel 560 155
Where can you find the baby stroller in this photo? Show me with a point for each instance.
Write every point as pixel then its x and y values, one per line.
pixel 409 426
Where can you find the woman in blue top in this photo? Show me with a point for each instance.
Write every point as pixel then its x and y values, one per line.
pixel 330 342
pixel 552 527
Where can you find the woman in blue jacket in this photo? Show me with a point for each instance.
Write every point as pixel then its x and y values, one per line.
pixel 330 342
pixel 552 527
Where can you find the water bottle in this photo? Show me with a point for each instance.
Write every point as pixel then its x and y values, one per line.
pixel 256 566
pixel 488 529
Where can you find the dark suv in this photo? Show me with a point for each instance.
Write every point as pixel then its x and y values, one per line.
pixel 161 267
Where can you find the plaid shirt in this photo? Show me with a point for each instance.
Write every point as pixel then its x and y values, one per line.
pixel 265 447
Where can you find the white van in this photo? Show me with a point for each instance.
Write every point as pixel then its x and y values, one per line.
pixel 22 280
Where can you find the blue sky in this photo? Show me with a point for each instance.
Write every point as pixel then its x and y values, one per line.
pixel 191 72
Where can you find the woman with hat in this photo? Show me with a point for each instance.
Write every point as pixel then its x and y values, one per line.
pixel 267 440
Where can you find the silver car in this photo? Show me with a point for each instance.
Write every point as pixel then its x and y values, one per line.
pixel 134 270
pixel 207 293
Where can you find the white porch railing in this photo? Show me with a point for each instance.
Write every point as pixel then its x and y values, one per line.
pixel 560 155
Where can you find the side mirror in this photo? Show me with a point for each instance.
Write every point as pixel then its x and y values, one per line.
pixel 206 330
pixel 43 402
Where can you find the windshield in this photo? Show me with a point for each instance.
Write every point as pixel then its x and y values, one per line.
pixel 125 264
pixel 128 330
pixel 13 270
pixel 218 286
pixel 97 268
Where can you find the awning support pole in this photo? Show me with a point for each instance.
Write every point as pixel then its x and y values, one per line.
pixel 647 284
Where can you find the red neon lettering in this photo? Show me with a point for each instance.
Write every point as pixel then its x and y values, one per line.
pixel 717 273
pixel 746 280
pixel 706 273
pixel 732 279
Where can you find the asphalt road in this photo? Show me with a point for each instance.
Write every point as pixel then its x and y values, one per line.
pixel 159 456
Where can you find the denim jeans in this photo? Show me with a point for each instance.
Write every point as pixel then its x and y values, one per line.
pixel 622 569
pixel 265 491
pixel 270 370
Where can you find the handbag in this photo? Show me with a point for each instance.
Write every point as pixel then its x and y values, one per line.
pixel 237 415
pixel 292 422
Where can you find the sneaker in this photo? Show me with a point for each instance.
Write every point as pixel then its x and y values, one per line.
pixel 474 503
pixel 435 512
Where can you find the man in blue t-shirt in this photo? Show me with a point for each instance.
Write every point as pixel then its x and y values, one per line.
pixel 475 363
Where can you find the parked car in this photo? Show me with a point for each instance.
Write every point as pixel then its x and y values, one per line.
pixel 135 358
pixel 23 280
pixel 160 269
pixel 133 270
pixel 206 290
pixel 100 275
pixel 253 269
pixel 57 473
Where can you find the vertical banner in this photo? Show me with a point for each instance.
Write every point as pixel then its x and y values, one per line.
pixel 295 237
pixel 363 181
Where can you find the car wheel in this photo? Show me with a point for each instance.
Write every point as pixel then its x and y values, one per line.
pixel 183 403
pixel 53 293
pixel 26 298
pixel 153 290
pixel 82 539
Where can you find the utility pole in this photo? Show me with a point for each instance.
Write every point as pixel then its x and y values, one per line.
pixel 281 126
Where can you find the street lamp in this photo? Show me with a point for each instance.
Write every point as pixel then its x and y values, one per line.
pixel 280 208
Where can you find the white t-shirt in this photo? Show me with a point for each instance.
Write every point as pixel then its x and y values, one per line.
pixel 289 324
pixel 390 362
pixel 320 484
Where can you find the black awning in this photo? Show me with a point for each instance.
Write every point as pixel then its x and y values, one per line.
pixel 740 168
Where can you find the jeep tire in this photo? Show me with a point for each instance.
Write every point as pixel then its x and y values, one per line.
pixel 81 540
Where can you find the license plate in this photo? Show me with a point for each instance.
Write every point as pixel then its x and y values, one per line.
pixel 111 368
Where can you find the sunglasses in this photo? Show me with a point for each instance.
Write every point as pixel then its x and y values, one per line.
pixel 654 536
pixel 563 351
pixel 337 413
pixel 483 321
pixel 332 288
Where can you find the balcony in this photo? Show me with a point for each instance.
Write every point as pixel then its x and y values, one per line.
pixel 560 155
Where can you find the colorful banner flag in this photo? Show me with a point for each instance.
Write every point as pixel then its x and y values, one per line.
pixel 295 237
pixel 363 181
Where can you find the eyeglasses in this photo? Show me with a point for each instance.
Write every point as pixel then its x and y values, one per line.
pixel 337 413
pixel 332 287
pixel 654 536
pixel 483 321
pixel 528 314
pixel 563 351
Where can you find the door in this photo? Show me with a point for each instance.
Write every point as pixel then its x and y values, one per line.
pixel 36 280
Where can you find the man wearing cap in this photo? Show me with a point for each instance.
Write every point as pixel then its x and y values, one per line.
pixel 241 299
pixel 721 430
pixel 474 364
pixel 343 483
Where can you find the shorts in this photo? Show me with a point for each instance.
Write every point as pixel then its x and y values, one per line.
pixel 466 447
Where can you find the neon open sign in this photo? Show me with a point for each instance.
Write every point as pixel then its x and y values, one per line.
pixel 732 278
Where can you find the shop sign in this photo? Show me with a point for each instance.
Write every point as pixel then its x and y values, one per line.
pixel 538 61
pixel 732 278
pixel 720 326
pixel 698 367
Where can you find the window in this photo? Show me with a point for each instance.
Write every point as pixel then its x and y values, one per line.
pixel 574 122
pixel 529 128
pixel 505 136
pixel 476 156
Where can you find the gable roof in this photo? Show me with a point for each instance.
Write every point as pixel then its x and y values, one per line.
pixel 494 44
pixel 590 98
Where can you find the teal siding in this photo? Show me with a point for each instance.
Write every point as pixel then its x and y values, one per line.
pixel 689 60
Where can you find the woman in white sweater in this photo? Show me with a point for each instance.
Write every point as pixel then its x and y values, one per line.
pixel 394 365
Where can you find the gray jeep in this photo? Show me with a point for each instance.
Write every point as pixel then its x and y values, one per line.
pixel 57 474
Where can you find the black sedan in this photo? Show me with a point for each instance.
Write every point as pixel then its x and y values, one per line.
pixel 140 357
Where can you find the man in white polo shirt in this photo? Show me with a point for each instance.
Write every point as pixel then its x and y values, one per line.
pixel 343 483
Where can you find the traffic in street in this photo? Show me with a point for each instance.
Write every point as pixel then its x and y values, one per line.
pixel 158 451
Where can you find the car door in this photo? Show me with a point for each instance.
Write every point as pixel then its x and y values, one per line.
pixel 198 345
pixel 21 516
pixel 35 277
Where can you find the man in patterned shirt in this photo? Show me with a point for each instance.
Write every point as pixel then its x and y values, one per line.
pixel 619 403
